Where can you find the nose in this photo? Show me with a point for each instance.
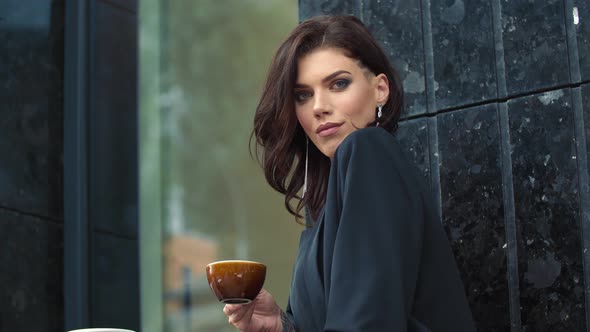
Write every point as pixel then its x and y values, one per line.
pixel 321 106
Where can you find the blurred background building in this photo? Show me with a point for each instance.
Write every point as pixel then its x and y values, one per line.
pixel 125 169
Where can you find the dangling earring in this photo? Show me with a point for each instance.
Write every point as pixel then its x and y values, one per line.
pixel 379 113
pixel 306 158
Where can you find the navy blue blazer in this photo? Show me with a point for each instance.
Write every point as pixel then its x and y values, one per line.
pixel 377 258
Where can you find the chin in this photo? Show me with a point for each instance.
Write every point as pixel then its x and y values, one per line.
pixel 329 147
pixel 331 150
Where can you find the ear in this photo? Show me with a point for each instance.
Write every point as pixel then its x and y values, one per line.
pixel 381 89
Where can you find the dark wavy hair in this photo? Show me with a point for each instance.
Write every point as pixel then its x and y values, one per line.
pixel 278 133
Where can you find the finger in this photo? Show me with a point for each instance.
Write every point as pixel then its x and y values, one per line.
pixel 246 311
pixel 229 309
pixel 261 293
pixel 241 318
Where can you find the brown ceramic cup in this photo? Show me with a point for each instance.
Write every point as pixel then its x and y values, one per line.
pixel 236 281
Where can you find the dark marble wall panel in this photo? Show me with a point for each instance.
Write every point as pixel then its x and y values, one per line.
pixel 581 14
pixel 464 56
pixel 413 136
pixel 113 165
pixel 472 209
pixel 30 35
pixel 535 48
pixel 546 201
pixel 397 25
pixel 586 105
pixel 31 168
pixel 310 8
pixel 115 287
pixel 31 99
pixel 31 274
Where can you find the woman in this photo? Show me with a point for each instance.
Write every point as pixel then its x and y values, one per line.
pixel 374 256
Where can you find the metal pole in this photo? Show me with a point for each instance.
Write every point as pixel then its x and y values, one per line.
pixel 187 296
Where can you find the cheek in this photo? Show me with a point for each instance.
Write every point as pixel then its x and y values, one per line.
pixel 358 106
pixel 304 120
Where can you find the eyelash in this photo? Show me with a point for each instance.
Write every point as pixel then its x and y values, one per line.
pixel 344 83
pixel 300 96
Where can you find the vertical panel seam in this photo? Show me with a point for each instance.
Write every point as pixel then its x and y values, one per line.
pixel 431 105
pixel 75 168
pixel 434 155
pixel 571 42
pixel 583 191
pixel 509 220
pixel 499 48
pixel 359 9
pixel 93 8
pixel 428 56
pixel 507 176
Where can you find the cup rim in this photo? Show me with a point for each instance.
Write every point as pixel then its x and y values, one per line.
pixel 235 261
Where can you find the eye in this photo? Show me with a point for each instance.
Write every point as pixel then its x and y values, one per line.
pixel 301 96
pixel 341 84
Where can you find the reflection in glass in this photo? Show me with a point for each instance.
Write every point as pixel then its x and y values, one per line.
pixel 202 67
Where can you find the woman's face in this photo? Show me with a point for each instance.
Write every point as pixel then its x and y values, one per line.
pixel 335 96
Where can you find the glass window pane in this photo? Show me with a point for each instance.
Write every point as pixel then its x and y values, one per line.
pixel 203 196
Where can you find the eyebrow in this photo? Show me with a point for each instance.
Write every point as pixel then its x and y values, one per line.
pixel 326 79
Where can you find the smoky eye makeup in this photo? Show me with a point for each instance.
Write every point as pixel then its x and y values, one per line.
pixel 301 95
pixel 341 83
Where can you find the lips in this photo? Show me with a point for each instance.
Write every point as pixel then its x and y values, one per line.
pixel 328 129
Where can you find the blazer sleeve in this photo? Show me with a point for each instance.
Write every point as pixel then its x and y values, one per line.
pixel 377 219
